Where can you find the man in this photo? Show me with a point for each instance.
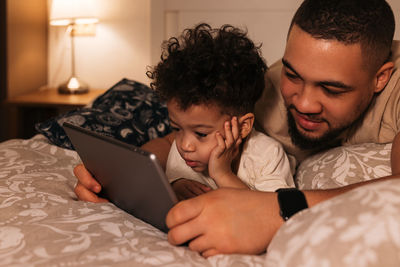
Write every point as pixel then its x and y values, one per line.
pixel 336 84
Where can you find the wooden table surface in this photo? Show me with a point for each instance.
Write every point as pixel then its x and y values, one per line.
pixel 51 97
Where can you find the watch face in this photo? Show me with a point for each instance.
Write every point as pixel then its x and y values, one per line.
pixel 291 201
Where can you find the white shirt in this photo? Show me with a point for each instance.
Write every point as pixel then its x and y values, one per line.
pixel 263 165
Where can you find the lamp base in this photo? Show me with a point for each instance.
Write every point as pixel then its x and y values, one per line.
pixel 73 86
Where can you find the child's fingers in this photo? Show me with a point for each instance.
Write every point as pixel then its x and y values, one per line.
pixel 235 128
pixel 220 148
pixel 204 188
pixel 185 189
pixel 229 140
pixel 236 132
pixel 198 188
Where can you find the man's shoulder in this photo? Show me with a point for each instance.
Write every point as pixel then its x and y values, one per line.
pixel 395 57
pixel 273 74
pixel 271 95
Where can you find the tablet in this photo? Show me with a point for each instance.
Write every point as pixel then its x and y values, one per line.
pixel 131 178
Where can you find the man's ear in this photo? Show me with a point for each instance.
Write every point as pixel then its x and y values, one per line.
pixel 246 124
pixel 383 75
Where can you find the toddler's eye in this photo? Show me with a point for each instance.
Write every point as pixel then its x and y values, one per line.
pixel 175 129
pixel 201 134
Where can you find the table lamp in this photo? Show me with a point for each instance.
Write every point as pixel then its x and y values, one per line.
pixel 78 18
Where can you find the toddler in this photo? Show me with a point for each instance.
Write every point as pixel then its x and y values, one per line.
pixel 210 80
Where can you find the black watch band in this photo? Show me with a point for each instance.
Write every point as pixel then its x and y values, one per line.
pixel 291 201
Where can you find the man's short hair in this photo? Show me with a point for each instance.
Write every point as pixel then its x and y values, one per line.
pixel 209 66
pixel 369 23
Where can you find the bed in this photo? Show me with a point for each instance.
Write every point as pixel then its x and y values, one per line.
pixel 43 224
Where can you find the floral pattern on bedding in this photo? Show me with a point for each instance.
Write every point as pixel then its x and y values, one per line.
pixel 359 228
pixel 43 224
pixel 344 165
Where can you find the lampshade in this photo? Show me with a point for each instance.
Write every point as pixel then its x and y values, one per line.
pixel 66 12
pixel 73 13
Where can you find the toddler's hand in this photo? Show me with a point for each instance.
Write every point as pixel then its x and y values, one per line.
pixel 185 188
pixel 87 187
pixel 220 163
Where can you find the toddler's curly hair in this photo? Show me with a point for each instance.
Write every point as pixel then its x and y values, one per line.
pixel 206 66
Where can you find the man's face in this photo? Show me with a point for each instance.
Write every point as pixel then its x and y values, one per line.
pixel 324 86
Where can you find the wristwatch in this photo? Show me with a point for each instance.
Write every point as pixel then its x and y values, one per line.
pixel 291 201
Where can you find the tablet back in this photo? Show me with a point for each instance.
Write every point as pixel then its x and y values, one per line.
pixel 131 178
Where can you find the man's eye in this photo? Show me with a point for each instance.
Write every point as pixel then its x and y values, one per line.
pixel 331 92
pixel 291 76
pixel 201 134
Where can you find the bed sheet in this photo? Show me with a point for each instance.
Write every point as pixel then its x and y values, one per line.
pixel 43 224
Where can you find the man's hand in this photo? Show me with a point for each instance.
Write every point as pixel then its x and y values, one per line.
pixel 225 221
pixel 87 187
pixel 395 155
pixel 185 188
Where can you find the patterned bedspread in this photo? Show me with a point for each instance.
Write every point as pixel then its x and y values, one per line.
pixel 43 224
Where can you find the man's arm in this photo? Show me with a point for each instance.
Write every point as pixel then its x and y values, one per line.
pixel 87 187
pixel 395 158
pixel 227 221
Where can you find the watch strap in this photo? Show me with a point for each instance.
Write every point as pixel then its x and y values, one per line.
pixel 291 201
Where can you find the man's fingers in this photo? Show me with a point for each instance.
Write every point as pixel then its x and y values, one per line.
pixel 181 221
pixel 86 179
pixel 210 252
pixel 183 233
pixel 182 212
pixel 200 244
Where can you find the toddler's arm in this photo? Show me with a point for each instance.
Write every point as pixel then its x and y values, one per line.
pixel 222 156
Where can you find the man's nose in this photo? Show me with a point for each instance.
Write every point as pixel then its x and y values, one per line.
pixel 308 100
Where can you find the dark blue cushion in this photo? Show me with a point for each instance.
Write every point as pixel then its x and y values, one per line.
pixel 129 111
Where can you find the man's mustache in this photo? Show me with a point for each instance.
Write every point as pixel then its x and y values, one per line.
pixel 315 117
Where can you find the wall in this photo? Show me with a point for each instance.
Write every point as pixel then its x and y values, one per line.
pixel 267 21
pixel 130 33
pixel 26 45
pixel 23 55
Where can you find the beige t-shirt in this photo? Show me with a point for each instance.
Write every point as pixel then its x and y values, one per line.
pixel 380 124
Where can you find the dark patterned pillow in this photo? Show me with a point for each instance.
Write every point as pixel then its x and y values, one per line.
pixel 129 111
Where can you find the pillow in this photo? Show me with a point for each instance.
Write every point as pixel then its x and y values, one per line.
pixel 358 228
pixel 129 111
pixel 344 165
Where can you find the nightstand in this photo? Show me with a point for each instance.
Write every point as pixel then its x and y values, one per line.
pixel 40 105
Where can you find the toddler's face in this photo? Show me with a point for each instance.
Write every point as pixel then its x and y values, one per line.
pixel 195 130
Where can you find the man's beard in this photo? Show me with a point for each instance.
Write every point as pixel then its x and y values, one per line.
pixel 328 140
